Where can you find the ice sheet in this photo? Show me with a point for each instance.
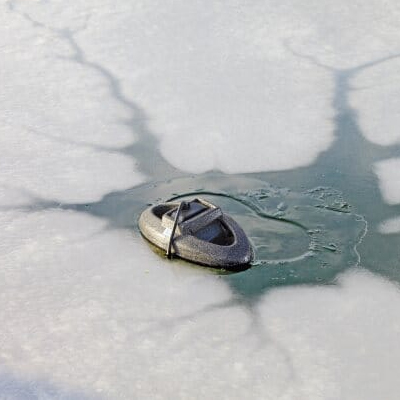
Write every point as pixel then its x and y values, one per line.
pixel 221 86
pixel 376 97
pixel 88 311
pixel 249 88
pixel 60 128
pixel 388 172
pixel 235 88
pixel 389 226
pixel 33 166
pixel 91 309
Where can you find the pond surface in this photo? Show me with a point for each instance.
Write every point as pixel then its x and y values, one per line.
pixel 284 113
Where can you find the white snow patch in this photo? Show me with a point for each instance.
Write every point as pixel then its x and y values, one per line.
pixel 87 307
pixel 345 35
pixel 61 128
pixel 388 172
pixel 36 167
pixel 338 339
pixel 220 87
pixel 390 226
pixel 239 88
pixel 376 96
pixel 236 88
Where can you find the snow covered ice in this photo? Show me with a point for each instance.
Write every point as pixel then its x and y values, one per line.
pixel 99 97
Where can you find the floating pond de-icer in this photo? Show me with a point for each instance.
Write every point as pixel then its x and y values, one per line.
pixel 197 231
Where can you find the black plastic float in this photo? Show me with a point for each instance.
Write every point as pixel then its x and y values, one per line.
pixel 197 231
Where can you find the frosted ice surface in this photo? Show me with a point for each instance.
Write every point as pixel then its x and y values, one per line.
pixel 93 309
pixel 376 96
pixel 231 87
pixel 36 166
pixel 221 86
pixel 90 307
pixel 345 35
pixel 226 88
pixel 388 172
pixel 337 352
pixel 60 128
pixel 391 225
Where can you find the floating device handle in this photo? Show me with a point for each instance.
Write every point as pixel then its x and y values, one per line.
pixel 182 206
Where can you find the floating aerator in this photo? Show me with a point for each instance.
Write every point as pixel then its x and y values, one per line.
pixel 197 231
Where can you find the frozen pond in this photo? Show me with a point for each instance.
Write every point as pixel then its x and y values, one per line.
pixel 285 114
